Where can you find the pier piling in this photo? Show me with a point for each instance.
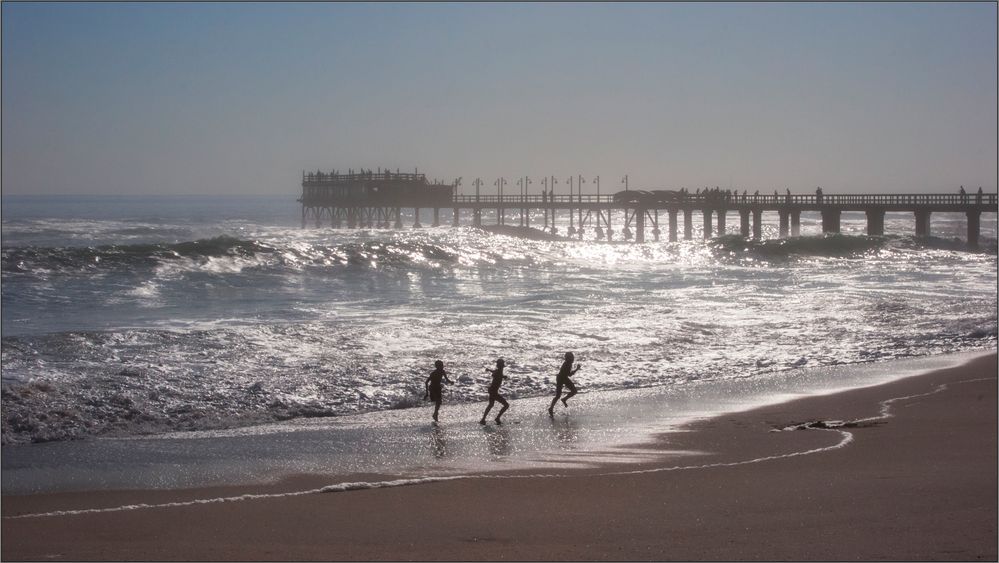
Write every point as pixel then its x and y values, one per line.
pixel 974 221
pixel 923 224
pixel 830 220
pixel 875 222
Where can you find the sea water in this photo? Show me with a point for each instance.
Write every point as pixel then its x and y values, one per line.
pixel 131 319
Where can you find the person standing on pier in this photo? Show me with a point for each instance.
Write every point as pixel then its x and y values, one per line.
pixel 435 386
pixel 562 380
pixel 494 396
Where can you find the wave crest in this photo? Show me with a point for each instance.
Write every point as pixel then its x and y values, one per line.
pixel 833 245
pixel 370 253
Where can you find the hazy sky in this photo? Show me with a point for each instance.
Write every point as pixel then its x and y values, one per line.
pixel 239 98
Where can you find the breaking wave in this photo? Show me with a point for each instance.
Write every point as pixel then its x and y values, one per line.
pixel 834 246
pixel 131 256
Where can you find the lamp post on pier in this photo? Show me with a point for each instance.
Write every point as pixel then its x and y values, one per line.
pixel 572 222
pixel 579 189
pixel 477 211
pixel 455 211
pixel 499 183
pixel 549 184
pixel 523 183
pixel 599 229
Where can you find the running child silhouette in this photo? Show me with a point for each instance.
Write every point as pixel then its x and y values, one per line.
pixel 435 385
pixel 562 380
pixel 494 395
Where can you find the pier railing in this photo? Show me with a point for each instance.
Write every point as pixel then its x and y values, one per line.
pixel 810 200
pixel 333 177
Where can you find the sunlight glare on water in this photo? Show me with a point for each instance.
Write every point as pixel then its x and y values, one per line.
pixel 129 327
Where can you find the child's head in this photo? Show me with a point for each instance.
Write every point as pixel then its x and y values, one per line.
pixel 569 357
pixel 439 364
pixel 500 363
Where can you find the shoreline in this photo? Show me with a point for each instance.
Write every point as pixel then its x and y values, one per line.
pixel 918 484
pixel 603 427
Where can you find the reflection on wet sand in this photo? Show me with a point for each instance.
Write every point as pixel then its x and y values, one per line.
pixel 498 441
pixel 566 431
pixel 438 441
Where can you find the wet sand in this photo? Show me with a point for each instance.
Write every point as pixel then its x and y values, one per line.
pixel 919 484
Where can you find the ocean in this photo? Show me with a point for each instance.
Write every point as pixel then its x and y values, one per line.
pixel 129 320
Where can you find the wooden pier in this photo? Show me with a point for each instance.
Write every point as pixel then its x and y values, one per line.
pixel 375 200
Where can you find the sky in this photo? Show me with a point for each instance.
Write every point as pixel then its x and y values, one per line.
pixel 233 98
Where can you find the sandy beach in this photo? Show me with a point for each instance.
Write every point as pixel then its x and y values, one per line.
pixel 914 478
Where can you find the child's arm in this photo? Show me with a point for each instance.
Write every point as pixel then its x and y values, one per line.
pixel 577 369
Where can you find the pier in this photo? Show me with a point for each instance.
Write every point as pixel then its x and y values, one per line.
pixel 369 199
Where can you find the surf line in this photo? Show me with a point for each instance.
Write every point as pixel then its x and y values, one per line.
pixel 845 439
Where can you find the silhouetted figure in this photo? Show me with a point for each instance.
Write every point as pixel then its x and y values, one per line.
pixel 964 195
pixel 435 386
pixel 544 196
pixel 562 380
pixel 978 198
pixel 818 195
pixel 494 396
pixel 787 198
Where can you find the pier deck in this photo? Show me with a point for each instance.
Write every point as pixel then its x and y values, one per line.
pixel 373 200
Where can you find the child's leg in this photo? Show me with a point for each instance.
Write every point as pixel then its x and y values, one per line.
pixel 572 391
pixel 558 393
pixel 488 408
pixel 505 404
